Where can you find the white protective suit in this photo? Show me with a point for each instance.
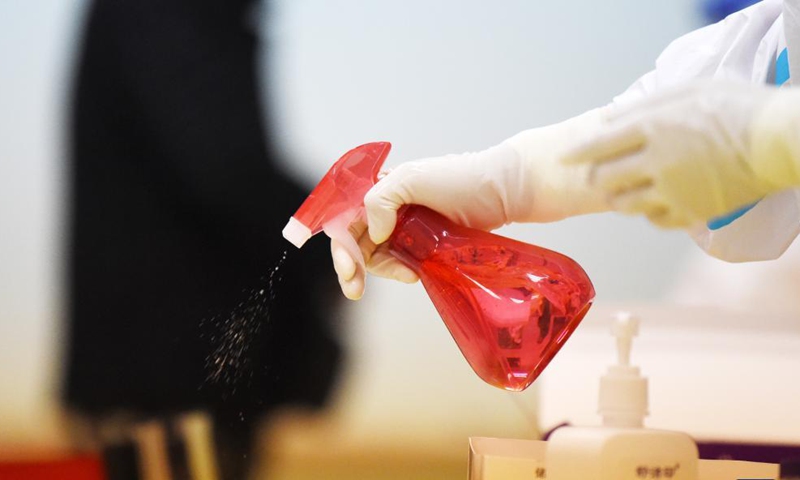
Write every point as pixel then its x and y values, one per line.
pixel 745 47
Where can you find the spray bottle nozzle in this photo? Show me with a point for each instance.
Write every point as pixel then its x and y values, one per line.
pixel 338 199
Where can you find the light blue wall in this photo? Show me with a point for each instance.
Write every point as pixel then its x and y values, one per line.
pixel 451 76
pixel 37 40
pixel 431 76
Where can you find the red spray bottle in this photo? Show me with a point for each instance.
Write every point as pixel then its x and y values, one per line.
pixel 510 306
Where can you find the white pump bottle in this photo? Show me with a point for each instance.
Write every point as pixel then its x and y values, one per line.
pixel 621 449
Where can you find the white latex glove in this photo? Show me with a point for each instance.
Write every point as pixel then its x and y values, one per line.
pixel 520 180
pixel 687 155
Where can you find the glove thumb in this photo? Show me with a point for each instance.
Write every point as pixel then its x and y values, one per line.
pixel 383 201
pixel 381 213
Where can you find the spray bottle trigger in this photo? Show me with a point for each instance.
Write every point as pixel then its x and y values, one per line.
pixel 338 229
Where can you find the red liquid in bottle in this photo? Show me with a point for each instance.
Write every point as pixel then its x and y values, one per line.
pixel 510 306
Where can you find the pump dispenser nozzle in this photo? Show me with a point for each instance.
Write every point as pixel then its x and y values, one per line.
pixel 623 391
pixel 624 328
pixel 621 449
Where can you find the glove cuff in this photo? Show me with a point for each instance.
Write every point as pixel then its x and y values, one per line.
pixel 556 190
pixel 775 140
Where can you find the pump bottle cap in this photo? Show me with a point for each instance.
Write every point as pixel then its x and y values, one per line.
pixel 623 391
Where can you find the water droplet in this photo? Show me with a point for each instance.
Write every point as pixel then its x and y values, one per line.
pixel 233 335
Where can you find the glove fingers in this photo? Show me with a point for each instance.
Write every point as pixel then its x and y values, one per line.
pixel 668 219
pixel 343 263
pixel 617 142
pixel 411 182
pixel 350 276
pixel 647 201
pixel 473 189
pixel 383 201
pixel 639 201
pixel 349 273
pixel 624 175
pixel 383 264
pixel 353 289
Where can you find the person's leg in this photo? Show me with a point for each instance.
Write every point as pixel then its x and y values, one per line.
pixel 234 443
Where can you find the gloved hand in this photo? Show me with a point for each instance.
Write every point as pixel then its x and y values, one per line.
pixel 687 155
pixel 519 180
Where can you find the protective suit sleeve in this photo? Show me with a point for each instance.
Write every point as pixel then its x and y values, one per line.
pixel 740 47
pixel 743 47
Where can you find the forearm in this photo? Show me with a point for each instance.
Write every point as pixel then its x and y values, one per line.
pixel 554 191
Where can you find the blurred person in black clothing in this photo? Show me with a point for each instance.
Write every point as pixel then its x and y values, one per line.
pixel 178 205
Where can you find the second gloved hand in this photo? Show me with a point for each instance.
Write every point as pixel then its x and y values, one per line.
pixel 519 180
pixel 687 155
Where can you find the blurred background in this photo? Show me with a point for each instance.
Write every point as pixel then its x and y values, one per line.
pixel 432 78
